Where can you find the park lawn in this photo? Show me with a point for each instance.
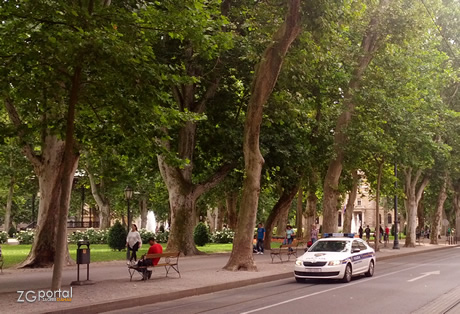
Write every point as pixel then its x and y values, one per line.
pixel 15 254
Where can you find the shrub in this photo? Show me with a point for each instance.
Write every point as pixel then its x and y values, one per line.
pixel 146 235
pixel 92 235
pixel 3 237
pixel 25 236
pixel 201 234
pixel 162 237
pixel 116 237
pixel 12 232
pixel 224 236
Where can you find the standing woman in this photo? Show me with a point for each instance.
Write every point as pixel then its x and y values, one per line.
pixel 289 235
pixel 314 234
pixel 133 242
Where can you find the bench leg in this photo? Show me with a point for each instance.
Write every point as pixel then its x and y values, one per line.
pixel 175 267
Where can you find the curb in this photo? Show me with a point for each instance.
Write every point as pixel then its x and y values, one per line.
pixel 152 299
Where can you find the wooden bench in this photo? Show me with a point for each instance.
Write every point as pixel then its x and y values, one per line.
pixel 287 250
pixel 168 260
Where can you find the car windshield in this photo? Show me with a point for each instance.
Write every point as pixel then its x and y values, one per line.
pixel 329 246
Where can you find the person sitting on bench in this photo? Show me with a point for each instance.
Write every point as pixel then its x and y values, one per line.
pixel 155 248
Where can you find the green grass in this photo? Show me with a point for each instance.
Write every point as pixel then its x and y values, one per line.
pixel 15 254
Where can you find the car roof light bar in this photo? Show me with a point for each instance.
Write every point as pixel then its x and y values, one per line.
pixel 338 235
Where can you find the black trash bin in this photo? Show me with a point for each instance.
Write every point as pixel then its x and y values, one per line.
pixel 83 254
pixel 83 257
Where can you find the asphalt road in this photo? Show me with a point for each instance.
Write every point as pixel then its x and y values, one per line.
pixel 423 283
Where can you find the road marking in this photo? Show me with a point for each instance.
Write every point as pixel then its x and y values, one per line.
pixel 437 272
pixel 336 288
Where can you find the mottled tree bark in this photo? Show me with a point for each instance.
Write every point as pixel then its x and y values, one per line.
pixel 9 198
pixel 143 209
pixel 371 42
pixel 413 190
pixel 351 203
pixel 265 78
pixel 231 199
pixel 299 215
pixel 442 196
pixel 377 205
pixel 101 200
pixel 280 209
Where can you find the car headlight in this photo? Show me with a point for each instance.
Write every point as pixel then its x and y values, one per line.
pixel 334 263
pixel 298 262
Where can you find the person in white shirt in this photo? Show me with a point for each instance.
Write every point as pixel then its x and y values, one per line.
pixel 134 243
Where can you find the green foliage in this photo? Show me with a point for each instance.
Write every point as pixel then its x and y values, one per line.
pixel 224 236
pixel 146 235
pixel 92 235
pixel 201 234
pixel 162 237
pixel 3 237
pixel 12 231
pixel 116 237
pixel 26 236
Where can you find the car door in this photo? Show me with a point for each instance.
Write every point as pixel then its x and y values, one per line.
pixel 356 259
pixel 366 254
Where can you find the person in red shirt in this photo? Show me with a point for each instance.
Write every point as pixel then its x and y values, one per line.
pixel 155 248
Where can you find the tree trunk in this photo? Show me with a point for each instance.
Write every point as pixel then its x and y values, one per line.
pixel 9 198
pixel 66 173
pixel 456 204
pixel 442 196
pixel 182 201
pixel 280 209
pixel 312 201
pixel 101 200
pixel 143 210
pixel 281 223
pixel 211 215
pixel 370 44
pixel 351 203
pixel 413 196
pixel 220 215
pixel 421 213
pixel 231 204
pixel 299 214
pixel 264 81
pixel 377 207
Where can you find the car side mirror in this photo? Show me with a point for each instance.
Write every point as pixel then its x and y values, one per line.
pixel 356 250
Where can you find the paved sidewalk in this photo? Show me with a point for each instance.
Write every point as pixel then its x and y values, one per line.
pixel 113 290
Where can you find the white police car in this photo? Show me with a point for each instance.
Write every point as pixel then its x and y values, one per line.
pixel 336 256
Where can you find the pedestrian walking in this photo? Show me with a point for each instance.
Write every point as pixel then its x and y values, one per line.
pixel 368 233
pixel 260 238
pixel 360 231
pixel 289 237
pixel 133 243
pixel 313 234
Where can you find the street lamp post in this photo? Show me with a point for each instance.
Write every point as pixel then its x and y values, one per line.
pixel 128 196
pixel 396 220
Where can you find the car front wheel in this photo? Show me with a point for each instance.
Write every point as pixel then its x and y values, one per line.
pixel 347 275
pixel 370 271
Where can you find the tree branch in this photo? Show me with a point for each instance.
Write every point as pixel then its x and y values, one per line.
pixel 213 180
pixel 26 147
pixel 421 188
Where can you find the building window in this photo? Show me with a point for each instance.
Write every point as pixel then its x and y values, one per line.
pixel 339 222
pixel 359 202
pixel 389 219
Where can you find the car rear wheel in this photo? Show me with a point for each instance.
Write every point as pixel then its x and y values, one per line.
pixel 347 275
pixel 300 279
pixel 370 271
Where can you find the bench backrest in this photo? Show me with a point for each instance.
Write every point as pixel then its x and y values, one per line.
pixel 164 254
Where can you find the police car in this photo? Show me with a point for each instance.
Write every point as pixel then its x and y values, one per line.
pixel 336 256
